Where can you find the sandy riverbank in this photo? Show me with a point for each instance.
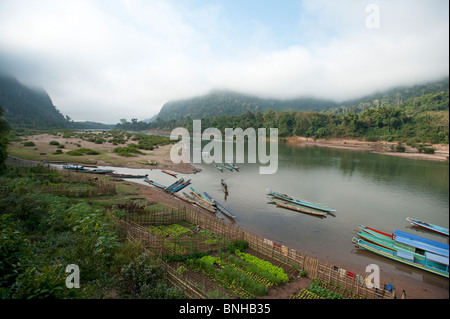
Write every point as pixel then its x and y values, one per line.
pixel 42 151
pixel 441 151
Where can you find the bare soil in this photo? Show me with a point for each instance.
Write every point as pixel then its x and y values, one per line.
pixel 441 150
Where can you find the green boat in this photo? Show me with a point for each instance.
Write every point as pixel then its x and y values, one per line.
pixel 410 249
pixel 301 202
pixel 297 208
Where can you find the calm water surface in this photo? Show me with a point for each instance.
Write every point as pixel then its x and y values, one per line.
pixel 375 190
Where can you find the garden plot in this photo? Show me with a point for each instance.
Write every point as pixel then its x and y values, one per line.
pixel 238 274
pixel 184 238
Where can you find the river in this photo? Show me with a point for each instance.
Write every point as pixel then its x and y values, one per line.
pixel 369 189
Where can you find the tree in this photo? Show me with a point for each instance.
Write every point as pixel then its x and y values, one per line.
pixel 4 131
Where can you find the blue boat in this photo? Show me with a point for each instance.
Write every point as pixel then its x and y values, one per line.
pixel 216 166
pixel 410 249
pixel 202 197
pixel 181 186
pixel 301 202
pixel 428 226
pixel 227 167
pixel 177 183
pixel 154 183
pixel 219 206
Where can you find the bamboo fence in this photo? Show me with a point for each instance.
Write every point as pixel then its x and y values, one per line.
pixel 135 226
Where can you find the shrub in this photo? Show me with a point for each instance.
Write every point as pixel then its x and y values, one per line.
pixel 53 143
pixel 82 151
pixel 400 147
pixel 29 143
pixel 128 151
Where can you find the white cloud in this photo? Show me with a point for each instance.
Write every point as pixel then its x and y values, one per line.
pixel 105 60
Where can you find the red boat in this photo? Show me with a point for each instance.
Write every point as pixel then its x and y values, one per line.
pixel 169 173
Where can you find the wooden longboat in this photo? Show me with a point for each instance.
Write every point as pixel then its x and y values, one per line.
pixel 125 175
pixel 288 198
pixel 203 198
pixel 169 173
pixel 296 208
pixel 177 183
pixel 197 202
pixel 101 171
pixel 219 206
pixel 410 249
pixel 180 187
pixel 154 183
pixel 428 226
pixel 226 166
pixel 224 186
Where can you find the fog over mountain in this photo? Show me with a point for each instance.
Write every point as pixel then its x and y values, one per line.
pixel 103 61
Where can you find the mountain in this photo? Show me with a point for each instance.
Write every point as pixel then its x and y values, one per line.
pixel 227 102
pixel 26 107
pixel 233 103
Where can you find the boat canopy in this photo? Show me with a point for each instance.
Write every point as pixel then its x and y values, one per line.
pixel 423 243
pixel 437 258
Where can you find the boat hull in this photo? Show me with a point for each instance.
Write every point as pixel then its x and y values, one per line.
pixel 391 255
pixel 300 202
pixel 428 226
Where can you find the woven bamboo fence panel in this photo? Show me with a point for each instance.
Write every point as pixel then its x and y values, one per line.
pixel 314 268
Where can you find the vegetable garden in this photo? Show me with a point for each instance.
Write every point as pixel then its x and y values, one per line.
pixel 208 258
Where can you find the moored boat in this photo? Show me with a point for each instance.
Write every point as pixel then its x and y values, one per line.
pixel 177 183
pixel 288 198
pixel 180 187
pixel 101 171
pixel 125 175
pixel 169 173
pixel 154 183
pixel 414 250
pixel 428 226
pixel 226 166
pixel 233 166
pixel 219 207
pixel 219 168
pixel 201 197
pixel 298 208
pixel 76 168
pixel 224 186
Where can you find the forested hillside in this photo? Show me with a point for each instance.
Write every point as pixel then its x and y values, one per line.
pixel 411 115
pixel 26 107
pixel 232 103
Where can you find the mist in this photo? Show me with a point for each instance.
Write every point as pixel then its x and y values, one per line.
pixel 103 61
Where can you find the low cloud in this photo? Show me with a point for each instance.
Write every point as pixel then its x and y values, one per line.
pixel 104 61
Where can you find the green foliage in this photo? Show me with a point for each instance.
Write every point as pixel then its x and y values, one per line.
pixel 323 292
pixel 420 112
pixel 240 245
pixel 28 108
pixel 42 233
pixel 53 143
pixel 278 273
pixel 4 132
pixel 82 151
pixel 173 230
pixel 29 143
pixel 143 278
pixel 128 151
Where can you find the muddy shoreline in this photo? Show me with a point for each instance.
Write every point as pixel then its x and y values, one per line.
pixel 381 147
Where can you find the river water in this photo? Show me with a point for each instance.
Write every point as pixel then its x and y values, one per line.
pixel 375 190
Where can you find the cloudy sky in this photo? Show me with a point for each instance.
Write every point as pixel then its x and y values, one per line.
pixel 112 59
